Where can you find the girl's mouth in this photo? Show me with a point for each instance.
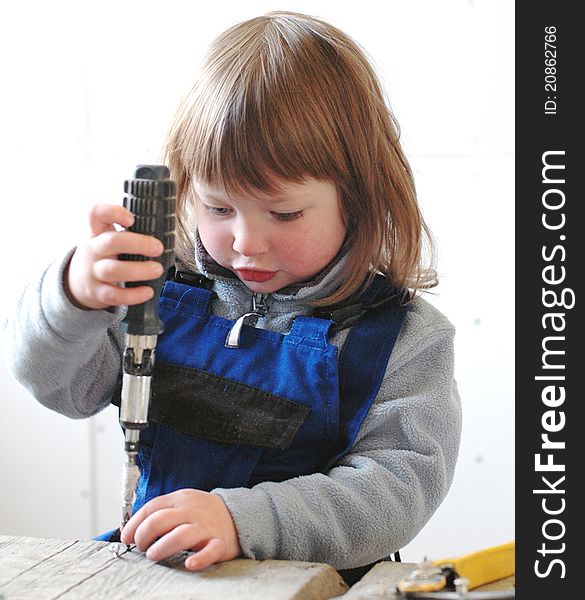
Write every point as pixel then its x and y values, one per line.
pixel 255 275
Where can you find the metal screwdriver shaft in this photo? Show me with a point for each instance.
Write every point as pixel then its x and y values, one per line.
pixel 150 196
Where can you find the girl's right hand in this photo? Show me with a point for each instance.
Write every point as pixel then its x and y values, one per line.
pixel 93 278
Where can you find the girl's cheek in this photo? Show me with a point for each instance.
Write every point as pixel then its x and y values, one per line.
pixel 311 253
pixel 216 240
pixel 291 249
pixel 302 255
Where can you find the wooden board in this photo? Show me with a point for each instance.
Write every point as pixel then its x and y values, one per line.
pixel 68 570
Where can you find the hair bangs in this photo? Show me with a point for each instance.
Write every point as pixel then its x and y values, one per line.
pixel 256 120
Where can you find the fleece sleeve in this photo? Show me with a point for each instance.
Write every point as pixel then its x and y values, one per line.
pixel 68 358
pixel 383 492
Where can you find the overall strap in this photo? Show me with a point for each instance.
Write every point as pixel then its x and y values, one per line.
pixel 364 358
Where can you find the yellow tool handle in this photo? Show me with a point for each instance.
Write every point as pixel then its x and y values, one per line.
pixel 483 566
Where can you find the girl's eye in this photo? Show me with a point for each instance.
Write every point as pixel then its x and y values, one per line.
pixel 216 210
pixel 290 216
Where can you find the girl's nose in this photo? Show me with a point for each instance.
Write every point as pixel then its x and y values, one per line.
pixel 249 240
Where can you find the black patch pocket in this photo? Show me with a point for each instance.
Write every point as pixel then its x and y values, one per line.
pixel 221 410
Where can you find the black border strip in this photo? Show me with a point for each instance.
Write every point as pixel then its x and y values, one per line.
pixel 548 270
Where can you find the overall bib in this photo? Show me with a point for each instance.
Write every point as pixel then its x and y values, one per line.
pixel 276 407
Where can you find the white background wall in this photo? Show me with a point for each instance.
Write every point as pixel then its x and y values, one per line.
pixel 89 89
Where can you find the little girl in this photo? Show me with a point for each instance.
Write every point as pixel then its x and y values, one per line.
pixel 306 406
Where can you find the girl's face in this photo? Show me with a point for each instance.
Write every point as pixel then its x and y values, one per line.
pixel 271 241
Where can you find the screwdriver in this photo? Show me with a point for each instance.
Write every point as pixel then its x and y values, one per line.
pixel 150 196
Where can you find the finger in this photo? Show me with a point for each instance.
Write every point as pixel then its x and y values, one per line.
pixel 182 537
pixel 157 525
pixel 103 216
pixel 113 295
pixel 110 244
pixel 158 503
pixel 114 271
pixel 211 553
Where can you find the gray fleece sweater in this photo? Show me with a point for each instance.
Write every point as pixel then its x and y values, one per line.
pixel 371 504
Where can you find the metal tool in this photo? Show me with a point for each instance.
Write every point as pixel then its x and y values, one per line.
pixel 453 578
pixel 150 196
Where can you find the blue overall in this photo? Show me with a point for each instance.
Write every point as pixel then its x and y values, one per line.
pixel 276 407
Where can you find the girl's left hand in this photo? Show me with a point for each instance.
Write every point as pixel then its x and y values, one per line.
pixel 184 520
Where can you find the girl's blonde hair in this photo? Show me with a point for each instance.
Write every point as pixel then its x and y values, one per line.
pixel 286 96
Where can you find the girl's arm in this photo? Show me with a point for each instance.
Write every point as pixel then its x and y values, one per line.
pixel 63 341
pixel 67 357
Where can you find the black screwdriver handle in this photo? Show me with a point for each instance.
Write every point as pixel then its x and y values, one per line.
pixel 150 196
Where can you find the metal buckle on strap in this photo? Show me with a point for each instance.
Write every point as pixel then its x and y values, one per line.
pixel 343 317
pixel 346 315
pixel 193 279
